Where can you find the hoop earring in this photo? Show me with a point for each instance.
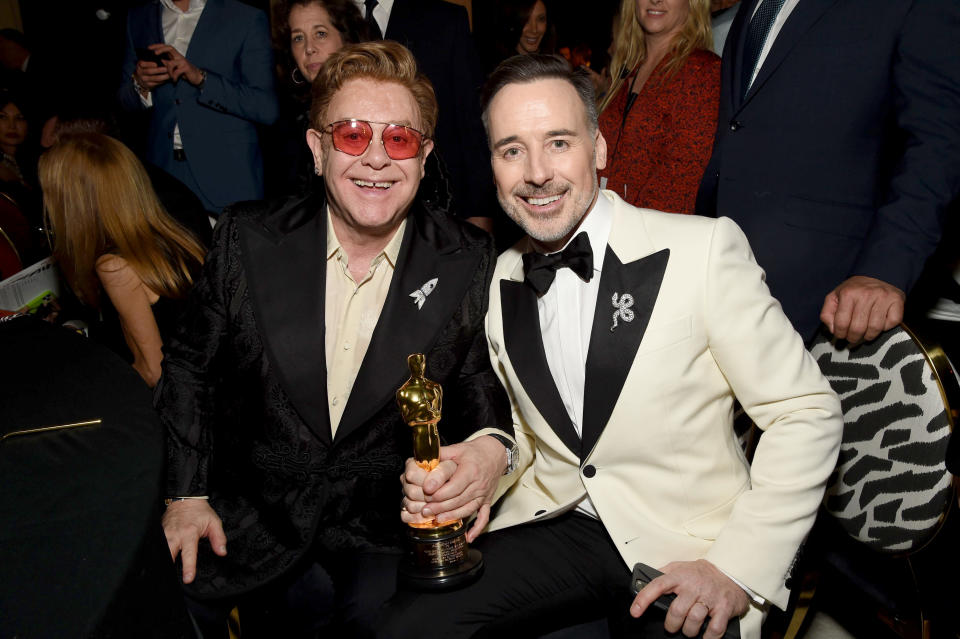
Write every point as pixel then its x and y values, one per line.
pixel 293 76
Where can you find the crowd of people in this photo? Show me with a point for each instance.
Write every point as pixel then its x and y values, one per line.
pixel 597 265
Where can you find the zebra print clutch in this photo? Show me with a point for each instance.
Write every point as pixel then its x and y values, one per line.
pixel 891 489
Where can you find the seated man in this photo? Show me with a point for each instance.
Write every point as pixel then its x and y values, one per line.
pixel 622 354
pixel 284 439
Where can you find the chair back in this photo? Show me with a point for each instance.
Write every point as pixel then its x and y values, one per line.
pixel 891 489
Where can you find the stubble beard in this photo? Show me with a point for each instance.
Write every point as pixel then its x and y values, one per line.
pixel 544 232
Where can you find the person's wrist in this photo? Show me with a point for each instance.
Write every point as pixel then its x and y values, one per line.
pixel 512 456
pixel 138 86
pixel 171 500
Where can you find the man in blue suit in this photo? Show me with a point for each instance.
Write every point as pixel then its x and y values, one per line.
pixel 837 150
pixel 205 68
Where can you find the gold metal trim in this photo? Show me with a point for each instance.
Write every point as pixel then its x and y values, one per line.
pixel 48 429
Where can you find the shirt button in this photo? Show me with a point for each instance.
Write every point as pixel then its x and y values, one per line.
pixel 589 471
pixel 346 346
pixel 336 400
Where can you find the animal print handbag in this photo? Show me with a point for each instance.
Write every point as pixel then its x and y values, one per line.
pixel 891 489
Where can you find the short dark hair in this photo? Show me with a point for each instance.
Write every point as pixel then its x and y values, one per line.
pixel 523 69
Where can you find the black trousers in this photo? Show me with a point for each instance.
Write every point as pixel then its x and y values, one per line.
pixel 332 596
pixel 537 578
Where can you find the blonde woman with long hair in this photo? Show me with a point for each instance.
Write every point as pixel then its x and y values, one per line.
pixel 660 112
pixel 111 235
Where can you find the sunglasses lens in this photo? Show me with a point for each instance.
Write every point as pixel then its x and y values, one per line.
pixel 351 137
pixel 400 142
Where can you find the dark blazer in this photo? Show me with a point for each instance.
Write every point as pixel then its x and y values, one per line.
pixel 244 395
pixel 232 44
pixel 840 159
pixel 438 34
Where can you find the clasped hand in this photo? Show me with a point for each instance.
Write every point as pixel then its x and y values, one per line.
pixel 702 591
pixel 463 483
pixel 174 66
pixel 862 307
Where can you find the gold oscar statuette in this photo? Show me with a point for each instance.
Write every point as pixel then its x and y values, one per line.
pixel 437 556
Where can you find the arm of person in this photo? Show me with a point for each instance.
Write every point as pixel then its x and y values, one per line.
pixel 133 301
pixel 251 96
pixel 906 229
pixel 781 387
pixel 148 75
pixel 685 149
pixel 184 397
pixel 783 391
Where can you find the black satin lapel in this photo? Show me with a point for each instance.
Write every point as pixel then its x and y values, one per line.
pixel 611 352
pixel 524 344
pixel 403 328
pixel 803 17
pixel 286 278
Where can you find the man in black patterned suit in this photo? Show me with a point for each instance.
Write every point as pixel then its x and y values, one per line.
pixel 330 292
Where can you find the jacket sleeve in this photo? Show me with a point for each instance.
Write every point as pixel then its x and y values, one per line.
pixel 926 78
pixel 184 396
pixel 127 95
pixel 251 96
pixel 782 389
pixel 484 402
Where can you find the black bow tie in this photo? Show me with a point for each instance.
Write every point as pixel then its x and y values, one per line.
pixel 540 270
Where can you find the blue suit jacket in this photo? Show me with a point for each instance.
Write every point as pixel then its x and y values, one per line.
pixel 232 44
pixel 841 158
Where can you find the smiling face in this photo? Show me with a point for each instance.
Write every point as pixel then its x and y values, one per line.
pixel 662 19
pixel 533 30
pixel 370 193
pixel 545 158
pixel 13 128
pixel 312 38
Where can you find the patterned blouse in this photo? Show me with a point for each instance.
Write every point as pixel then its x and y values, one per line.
pixel 657 154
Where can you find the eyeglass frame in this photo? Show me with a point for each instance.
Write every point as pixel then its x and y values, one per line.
pixel 328 129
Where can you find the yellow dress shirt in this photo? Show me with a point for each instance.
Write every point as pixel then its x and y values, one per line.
pixel 351 314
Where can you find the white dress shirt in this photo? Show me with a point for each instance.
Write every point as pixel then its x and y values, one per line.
pixel 566 320
pixel 785 12
pixel 178 28
pixel 381 13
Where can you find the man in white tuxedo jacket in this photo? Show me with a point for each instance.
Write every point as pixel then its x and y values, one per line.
pixel 622 336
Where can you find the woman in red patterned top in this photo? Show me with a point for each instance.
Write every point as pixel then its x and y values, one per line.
pixel 660 113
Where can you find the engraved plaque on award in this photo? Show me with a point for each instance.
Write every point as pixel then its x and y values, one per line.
pixel 437 556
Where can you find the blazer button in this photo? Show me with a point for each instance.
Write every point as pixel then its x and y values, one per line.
pixel 538 513
pixel 177 101
pixel 735 125
pixel 589 471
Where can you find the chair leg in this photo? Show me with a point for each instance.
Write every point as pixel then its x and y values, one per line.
pixel 800 619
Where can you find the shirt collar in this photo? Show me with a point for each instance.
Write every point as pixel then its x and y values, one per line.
pixel 391 251
pixel 387 6
pixel 195 6
pixel 596 224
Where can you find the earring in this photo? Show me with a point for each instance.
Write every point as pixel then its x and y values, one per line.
pixel 293 76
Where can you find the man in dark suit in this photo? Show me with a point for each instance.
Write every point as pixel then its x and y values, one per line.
pixel 285 440
pixel 837 150
pixel 438 34
pixel 212 84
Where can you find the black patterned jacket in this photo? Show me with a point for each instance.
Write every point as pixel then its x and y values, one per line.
pixel 243 394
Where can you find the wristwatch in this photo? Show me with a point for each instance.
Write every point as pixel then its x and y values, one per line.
pixel 513 453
